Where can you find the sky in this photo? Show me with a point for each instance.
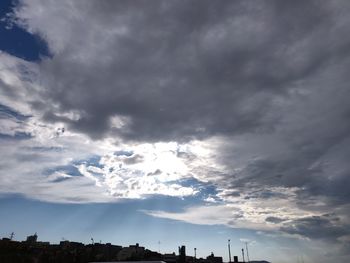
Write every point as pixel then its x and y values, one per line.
pixel 173 123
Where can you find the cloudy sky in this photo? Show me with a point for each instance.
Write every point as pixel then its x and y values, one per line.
pixel 184 122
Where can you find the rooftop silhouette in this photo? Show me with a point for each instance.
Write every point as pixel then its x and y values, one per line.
pixel 32 250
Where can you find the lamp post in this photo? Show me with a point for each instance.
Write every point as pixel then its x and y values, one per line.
pixel 246 246
pixel 229 250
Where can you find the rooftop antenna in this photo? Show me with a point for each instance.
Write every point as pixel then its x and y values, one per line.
pixel 243 254
pixel 246 246
pixel 229 250
pixel 12 235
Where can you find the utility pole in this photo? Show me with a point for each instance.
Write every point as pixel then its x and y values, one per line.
pixel 243 254
pixel 246 246
pixel 229 250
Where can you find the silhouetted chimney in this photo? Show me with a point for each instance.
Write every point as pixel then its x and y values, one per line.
pixel 182 254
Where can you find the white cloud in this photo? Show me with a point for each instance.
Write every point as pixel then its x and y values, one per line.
pixel 151 169
pixel 243 212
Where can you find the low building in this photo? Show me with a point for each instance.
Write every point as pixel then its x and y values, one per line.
pixel 32 239
pixel 133 252
pixel 170 258
pixel 214 259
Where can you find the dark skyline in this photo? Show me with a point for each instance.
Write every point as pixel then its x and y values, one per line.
pixel 215 119
pixel 34 250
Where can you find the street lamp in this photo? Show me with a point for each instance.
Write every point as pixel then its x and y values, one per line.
pixel 229 250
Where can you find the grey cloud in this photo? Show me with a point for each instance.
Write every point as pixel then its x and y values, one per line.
pixel 235 194
pixel 274 220
pixel 44 149
pixel 58 180
pixel 182 71
pixel 265 194
pixel 136 158
pixel 319 227
pixel 156 172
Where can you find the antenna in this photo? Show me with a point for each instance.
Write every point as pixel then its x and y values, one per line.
pixel 195 253
pixel 12 235
pixel 229 250
pixel 243 254
pixel 246 246
pixel 92 241
pixel 159 246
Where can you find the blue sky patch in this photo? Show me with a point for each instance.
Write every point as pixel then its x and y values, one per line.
pixel 205 189
pixel 7 112
pixel 67 169
pixel 16 136
pixel 16 41
pixel 71 169
pixel 124 153
pixel 92 161
pixel 45 149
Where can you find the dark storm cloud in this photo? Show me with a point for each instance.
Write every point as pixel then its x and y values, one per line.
pixel 318 227
pixel 184 70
